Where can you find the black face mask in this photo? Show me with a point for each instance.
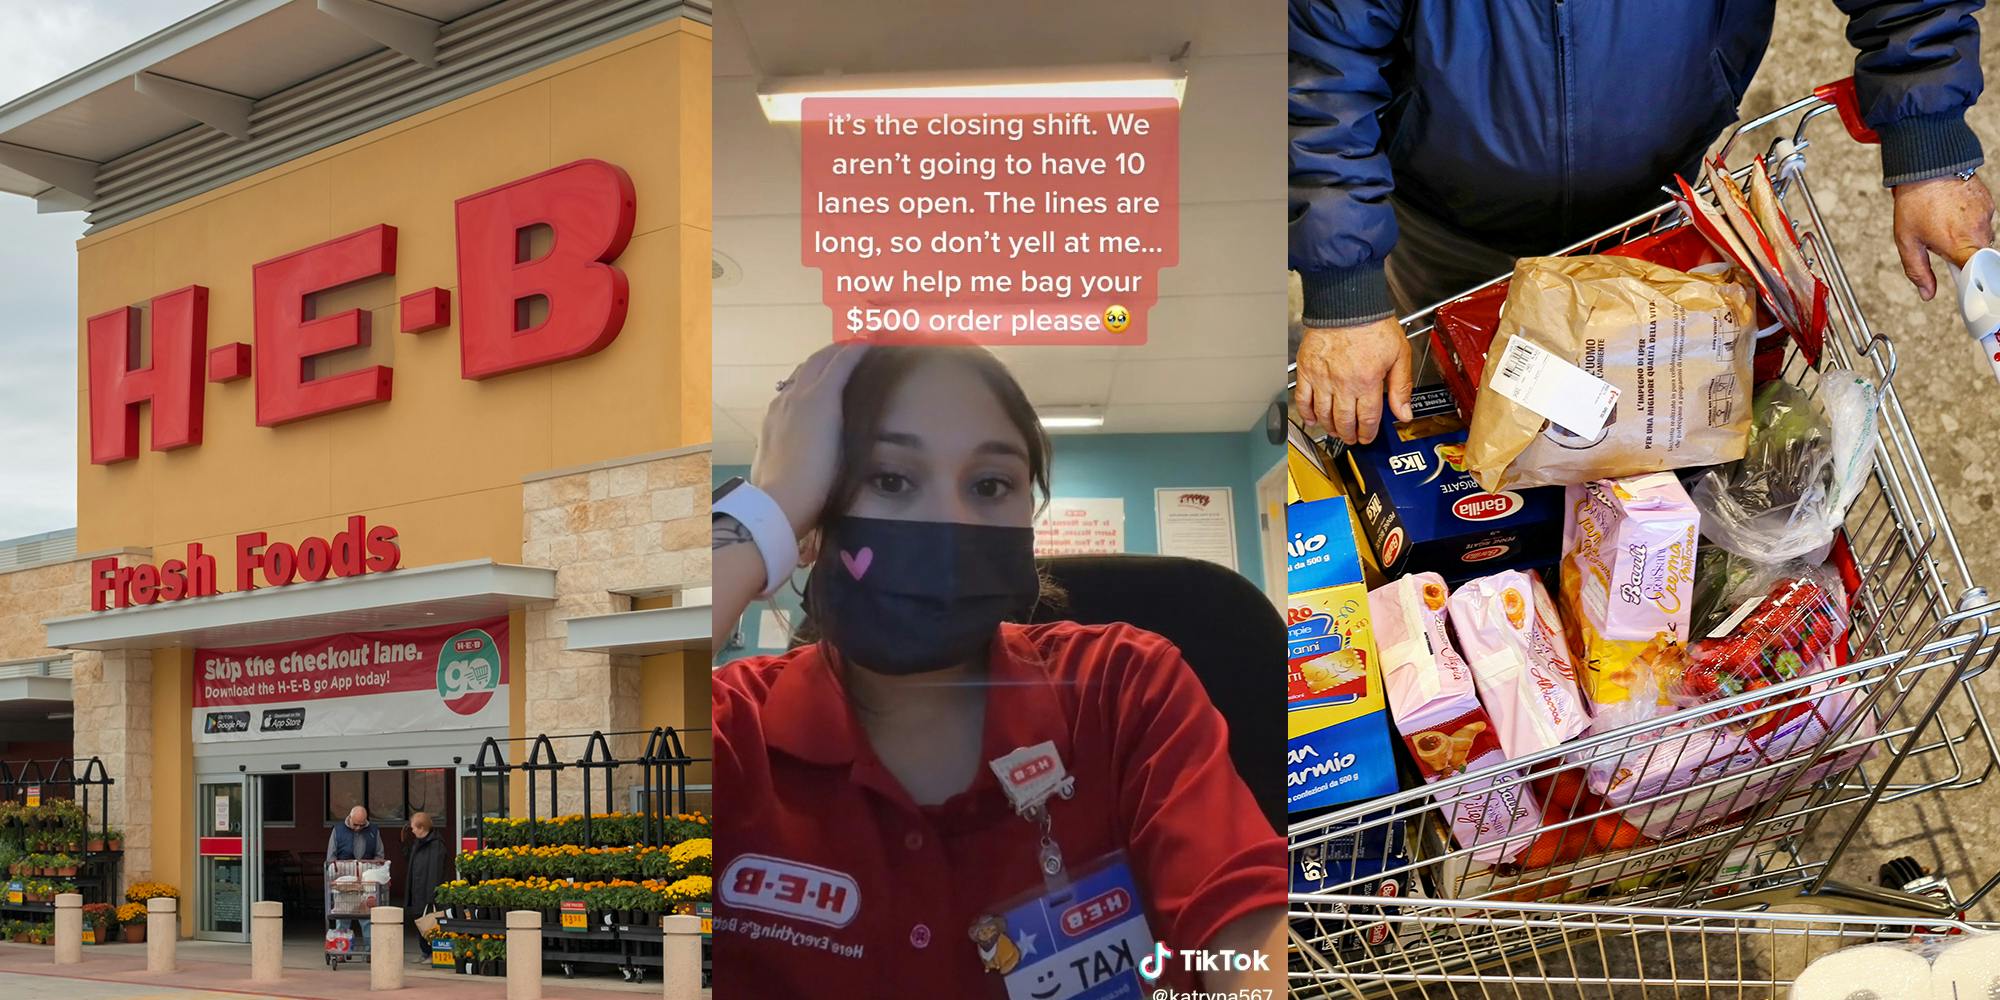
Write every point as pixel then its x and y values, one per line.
pixel 909 597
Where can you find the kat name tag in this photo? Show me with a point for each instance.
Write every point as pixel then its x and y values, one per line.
pixel 1081 944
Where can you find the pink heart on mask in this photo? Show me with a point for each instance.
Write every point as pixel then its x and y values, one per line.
pixel 857 562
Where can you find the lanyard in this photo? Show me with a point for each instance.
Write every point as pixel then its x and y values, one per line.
pixel 1031 776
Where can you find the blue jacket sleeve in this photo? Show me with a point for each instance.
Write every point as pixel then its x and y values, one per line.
pixel 1341 225
pixel 1916 72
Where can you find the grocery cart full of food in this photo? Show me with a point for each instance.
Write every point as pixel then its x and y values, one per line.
pixel 353 890
pixel 1601 664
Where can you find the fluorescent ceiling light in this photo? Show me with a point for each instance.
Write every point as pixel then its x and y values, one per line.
pixel 1071 418
pixel 784 99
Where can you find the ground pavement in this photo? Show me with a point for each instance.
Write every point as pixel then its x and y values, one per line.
pixel 210 972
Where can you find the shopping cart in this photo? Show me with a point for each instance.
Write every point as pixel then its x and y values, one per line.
pixel 1907 725
pixel 1529 950
pixel 353 890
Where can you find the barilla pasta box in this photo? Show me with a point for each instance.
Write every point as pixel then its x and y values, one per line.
pixel 1338 722
pixel 1424 513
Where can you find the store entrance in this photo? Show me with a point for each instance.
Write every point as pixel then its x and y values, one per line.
pixel 298 811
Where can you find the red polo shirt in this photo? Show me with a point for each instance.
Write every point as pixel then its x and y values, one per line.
pixel 883 892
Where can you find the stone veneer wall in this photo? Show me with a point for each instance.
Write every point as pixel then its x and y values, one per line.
pixel 609 531
pixel 29 597
pixel 111 692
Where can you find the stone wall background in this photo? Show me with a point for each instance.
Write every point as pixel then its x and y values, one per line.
pixel 611 531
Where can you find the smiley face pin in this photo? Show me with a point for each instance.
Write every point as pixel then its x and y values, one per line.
pixel 1116 318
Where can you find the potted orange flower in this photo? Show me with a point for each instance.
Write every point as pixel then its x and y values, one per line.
pixel 132 922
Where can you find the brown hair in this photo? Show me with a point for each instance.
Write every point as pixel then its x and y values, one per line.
pixel 874 380
pixel 862 405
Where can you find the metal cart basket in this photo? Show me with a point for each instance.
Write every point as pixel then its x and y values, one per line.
pixel 1906 723
pixel 353 890
pixel 1539 950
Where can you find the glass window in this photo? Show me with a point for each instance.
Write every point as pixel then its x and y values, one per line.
pixel 485 795
pixel 428 789
pixel 344 791
pixel 388 803
pixel 277 792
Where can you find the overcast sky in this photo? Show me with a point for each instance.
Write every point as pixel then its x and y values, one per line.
pixel 40 41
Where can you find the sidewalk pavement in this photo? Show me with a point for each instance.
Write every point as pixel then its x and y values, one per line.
pixel 119 971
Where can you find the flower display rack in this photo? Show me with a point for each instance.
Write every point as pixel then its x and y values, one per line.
pixel 602 877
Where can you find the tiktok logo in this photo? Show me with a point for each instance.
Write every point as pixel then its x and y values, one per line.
pixel 1153 965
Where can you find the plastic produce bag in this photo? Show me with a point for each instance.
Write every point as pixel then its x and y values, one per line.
pixel 1805 462
pixel 1674 347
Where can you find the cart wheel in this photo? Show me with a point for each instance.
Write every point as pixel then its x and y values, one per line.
pixel 569 970
pixel 638 975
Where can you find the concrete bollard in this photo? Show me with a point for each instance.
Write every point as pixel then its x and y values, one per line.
pixel 69 928
pixel 680 961
pixel 385 953
pixel 163 932
pixel 267 941
pixel 524 955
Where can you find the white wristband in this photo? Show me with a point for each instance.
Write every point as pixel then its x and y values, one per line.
pixel 770 530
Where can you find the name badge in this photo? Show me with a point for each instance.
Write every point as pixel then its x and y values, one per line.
pixel 1083 943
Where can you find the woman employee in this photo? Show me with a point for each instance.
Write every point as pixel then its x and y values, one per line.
pixel 932 800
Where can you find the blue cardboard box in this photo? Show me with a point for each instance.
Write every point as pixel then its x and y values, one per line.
pixel 1423 512
pixel 1337 719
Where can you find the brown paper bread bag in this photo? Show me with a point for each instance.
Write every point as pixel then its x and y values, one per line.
pixel 1675 344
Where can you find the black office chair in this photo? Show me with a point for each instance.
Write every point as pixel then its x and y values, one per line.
pixel 1227 630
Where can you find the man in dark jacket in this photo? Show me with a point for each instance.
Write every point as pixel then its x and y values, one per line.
pixel 1462 134
pixel 356 839
pixel 429 858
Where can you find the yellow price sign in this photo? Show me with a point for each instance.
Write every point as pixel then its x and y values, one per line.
pixel 707 926
pixel 89 935
pixel 441 957
pixel 575 916
pixel 34 796
pixel 14 893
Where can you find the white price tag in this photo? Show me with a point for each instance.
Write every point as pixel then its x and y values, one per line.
pixel 1554 389
pixel 1742 611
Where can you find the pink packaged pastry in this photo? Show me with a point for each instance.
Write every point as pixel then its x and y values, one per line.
pixel 1510 634
pixel 1627 588
pixel 1432 701
pixel 1667 782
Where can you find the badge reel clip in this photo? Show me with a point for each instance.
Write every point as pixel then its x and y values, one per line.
pixel 1031 776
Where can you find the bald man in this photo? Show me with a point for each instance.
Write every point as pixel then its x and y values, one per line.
pixel 355 840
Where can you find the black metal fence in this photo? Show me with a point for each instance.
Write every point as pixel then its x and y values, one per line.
pixel 662 771
pixel 59 778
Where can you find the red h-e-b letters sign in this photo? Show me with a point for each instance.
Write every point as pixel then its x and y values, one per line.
pixel 589 207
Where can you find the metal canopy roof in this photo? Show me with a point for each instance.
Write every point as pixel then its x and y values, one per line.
pixel 405 598
pixel 246 84
pixel 656 630
pixel 244 48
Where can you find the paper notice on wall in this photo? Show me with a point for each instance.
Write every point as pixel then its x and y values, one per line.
pixel 1197 522
pixel 1081 527
pixel 222 814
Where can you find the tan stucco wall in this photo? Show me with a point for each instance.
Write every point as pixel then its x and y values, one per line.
pixel 449 462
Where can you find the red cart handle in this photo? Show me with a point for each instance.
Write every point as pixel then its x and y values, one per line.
pixel 1840 94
